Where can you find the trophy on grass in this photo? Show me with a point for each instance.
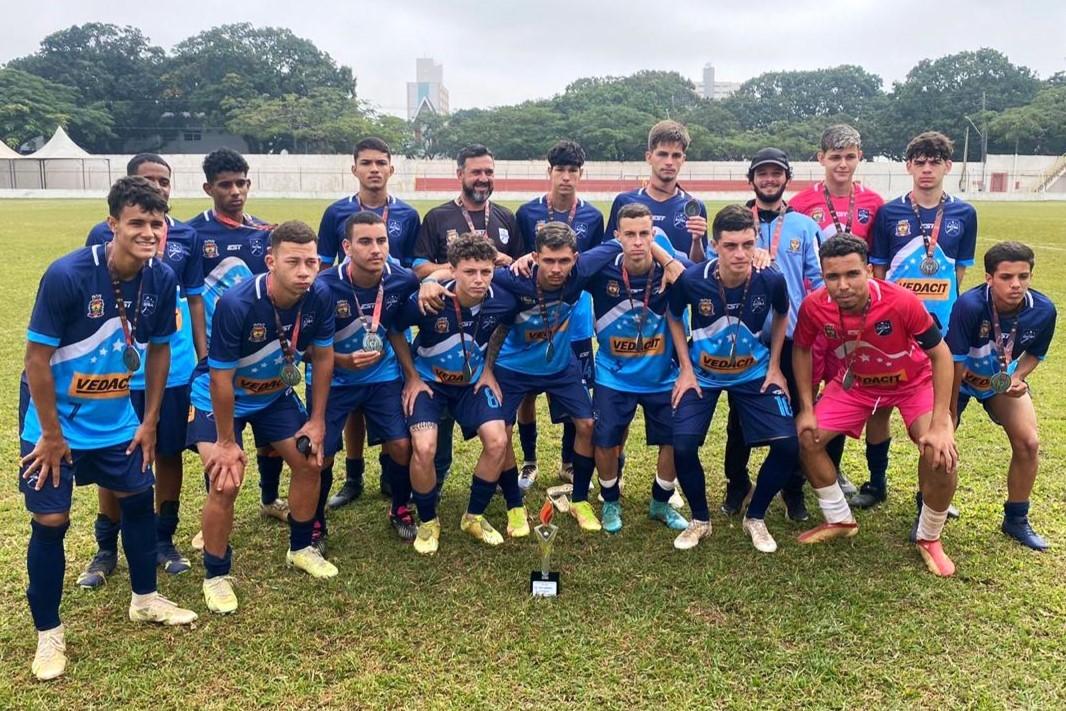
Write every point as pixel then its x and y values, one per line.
pixel 545 582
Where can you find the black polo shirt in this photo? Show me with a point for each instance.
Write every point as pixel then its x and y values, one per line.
pixel 445 222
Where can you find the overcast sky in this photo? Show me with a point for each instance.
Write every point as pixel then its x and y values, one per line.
pixel 504 52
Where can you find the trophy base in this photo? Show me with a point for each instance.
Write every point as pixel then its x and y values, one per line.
pixel 540 586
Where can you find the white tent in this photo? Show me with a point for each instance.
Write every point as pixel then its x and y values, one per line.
pixel 8 152
pixel 60 164
pixel 60 145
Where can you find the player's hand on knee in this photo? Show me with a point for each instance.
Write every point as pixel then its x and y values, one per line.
pixel 45 460
pixel 145 439
pixel 807 429
pixel 411 390
pixel 685 381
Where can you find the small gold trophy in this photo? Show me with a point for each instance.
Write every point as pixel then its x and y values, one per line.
pixel 545 582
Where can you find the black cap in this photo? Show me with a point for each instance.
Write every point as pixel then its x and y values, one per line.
pixel 769 156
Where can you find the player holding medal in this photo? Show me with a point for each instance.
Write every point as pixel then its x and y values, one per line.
pixel 1000 331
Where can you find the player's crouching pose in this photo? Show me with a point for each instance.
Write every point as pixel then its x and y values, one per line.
pixel 259 333
pixel 886 341
pixel 99 311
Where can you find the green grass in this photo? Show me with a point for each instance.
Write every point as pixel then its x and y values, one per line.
pixel 856 624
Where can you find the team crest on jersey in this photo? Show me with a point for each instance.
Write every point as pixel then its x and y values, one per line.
pixel 258 333
pixel 307 321
pixel 451 236
pixel 527 300
pixel 441 326
pixel 706 307
pixel 394 228
pixel 903 228
pixel 613 289
pixel 391 301
pixel 175 252
pixel 864 215
pixel 883 328
pixel 96 306
pixel 817 215
pixel 148 302
pixel 581 229
pixel 758 303
pixel 680 219
pixel 489 323
pixel 952 227
pixel 793 245
pixel 985 329
pixel 830 331
pixel 344 309
pixel 1029 335
pixel 256 246
pixel 210 249
pixel 505 236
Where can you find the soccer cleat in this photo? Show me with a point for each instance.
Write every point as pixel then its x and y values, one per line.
pixel 586 517
pixel 953 511
pixel 1018 528
pixel 517 522
pixel 676 501
pixel 197 541
pixel 279 509
pixel 828 531
pixel 159 609
pixel 566 472
pixel 219 595
pixel 352 490
pixel 846 486
pixel 528 475
pixel 612 516
pixel 936 560
pixel 50 660
pixel 760 536
pixel 311 562
pixel 695 532
pixel 427 539
pixel 735 494
pixel 404 524
pixel 101 566
pixel 795 505
pixel 869 496
pixel 172 562
pixel 663 511
pixel 559 496
pixel 319 540
pixel 480 529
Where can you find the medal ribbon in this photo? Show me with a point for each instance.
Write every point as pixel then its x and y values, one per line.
pixel 569 216
pixel 849 358
pixel 551 326
pixel 929 238
pixel 1004 351
pixel 775 239
pixel 833 212
pixel 470 220
pixel 462 336
pixel 378 300
pixel 648 285
pixel 234 225
pixel 120 303
pixel 725 305
pixel 384 211
pixel 288 349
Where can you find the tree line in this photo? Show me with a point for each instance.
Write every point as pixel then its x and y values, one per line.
pixel 114 92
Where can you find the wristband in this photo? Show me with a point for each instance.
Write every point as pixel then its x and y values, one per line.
pixel 430 280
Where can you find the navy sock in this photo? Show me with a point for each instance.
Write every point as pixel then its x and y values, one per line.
pixel 45 563
pixel 835 450
pixel 512 493
pixel 569 435
pixel 775 472
pixel 527 435
pixel 400 479
pixel 106 532
pixel 877 461
pixel 166 522
pixel 610 493
pixel 657 492
pixel 583 468
pixel 300 533
pixel 621 464
pixel 139 540
pixel 323 496
pixel 737 451
pixel 426 505
pixel 354 469
pixel 269 477
pixel 215 566
pixel 691 477
pixel 481 492
pixel 1015 509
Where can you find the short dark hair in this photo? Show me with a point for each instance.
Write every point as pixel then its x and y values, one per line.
pixel 363 217
pixel 371 143
pixel 556 235
pixel 633 210
pixel 475 150
pixel 732 218
pixel 470 245
pixel 931 144
pixel 1008 252
pixel 141 158
pixel 566 153
pixel 842 246
pixel 668 132
pixel 133 190
pixel 292 231
pixel 223 160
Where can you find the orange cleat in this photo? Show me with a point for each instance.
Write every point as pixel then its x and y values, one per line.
pixel 935 558
pixel 828 531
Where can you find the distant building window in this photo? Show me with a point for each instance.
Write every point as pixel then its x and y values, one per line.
pixel 193 136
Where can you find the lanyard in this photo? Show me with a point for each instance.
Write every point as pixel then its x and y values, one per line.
pixel 470 220
pixel 378 300
pixel 1004 350
pixel 550 326
pixel 569 216
pixel 468 372
pixel 288 349
pixel 384 211
pixel 775 239
pixel 648 285
pixel 120 303
pixel 725 305
pixel 929 238
pixel 833 212
pixel 848 379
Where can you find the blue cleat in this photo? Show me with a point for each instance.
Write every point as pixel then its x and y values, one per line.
pixel 101 566
pixel 612 516
pixel 662 511
pixel 1018 528
pixel 172 562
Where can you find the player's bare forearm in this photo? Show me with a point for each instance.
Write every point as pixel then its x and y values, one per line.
pixel 199 325
pixel 943 380
pixel 402 349
pixel 495 343
pixel 156 369
pixel 322 362
pixel 960 272
pixel 222 403
pixel 428 269
pixel 803 374
pixel 778 327
pixel 677 334
pixel 1026 365
pixel 42 386
pixel 956 385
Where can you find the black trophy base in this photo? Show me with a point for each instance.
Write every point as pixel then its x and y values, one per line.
pixel 540 586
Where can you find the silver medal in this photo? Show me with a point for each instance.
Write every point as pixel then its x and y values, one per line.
pixel 290 375
pixel 929 266
pixel 1000 382
pixel 372 342
pixel 692 208
pixel 468 374
pixel 131 359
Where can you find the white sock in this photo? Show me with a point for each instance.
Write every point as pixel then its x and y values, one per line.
pixel 931 523
pixel 141 600
pixel 54 632
pixel 833 504
pixel 668 485
pixel 608 483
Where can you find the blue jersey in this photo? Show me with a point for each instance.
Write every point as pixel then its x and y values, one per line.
pixel 717 362
pixel 898 246
pixel 668 215
pixel 75 313
pixel 352 324
pixel 182 254
pixel 526 347
pixel 439 348
pixel 245 340
pixel 620 317
pixel 401 224
pixel 588 226
pixel 971 337
pixel 796 255
pixel 231 255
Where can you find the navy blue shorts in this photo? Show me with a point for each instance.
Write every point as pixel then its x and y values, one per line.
pixel 173 419
pixel 109 467
pixel 964 400
pixel 567 395
pixel 471 410
pixel 586 360
pixel 614 410
pixel 764 417
pixel 382 408
pixel 276 422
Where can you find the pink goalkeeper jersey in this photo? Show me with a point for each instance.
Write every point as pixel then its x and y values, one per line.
pixel 811 202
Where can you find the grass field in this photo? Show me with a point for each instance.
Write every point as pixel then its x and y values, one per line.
pixel 856 624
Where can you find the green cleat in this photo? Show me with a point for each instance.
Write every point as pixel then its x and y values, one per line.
pixel 586 517
pixel 480 529
pixel 612 516
pixel 663 511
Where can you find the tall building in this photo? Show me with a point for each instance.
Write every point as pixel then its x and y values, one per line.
pixel 427 91
pixel 716 90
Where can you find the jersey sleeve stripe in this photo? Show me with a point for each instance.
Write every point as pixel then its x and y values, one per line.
pixel 43 339
pixel 221 364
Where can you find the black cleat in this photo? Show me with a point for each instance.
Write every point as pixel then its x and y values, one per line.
pixel 795 505
pixel 869 496
pixel 735 493
pixel 352 490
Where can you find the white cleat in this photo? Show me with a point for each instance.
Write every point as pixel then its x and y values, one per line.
pixel 50 661
pixel 760 536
